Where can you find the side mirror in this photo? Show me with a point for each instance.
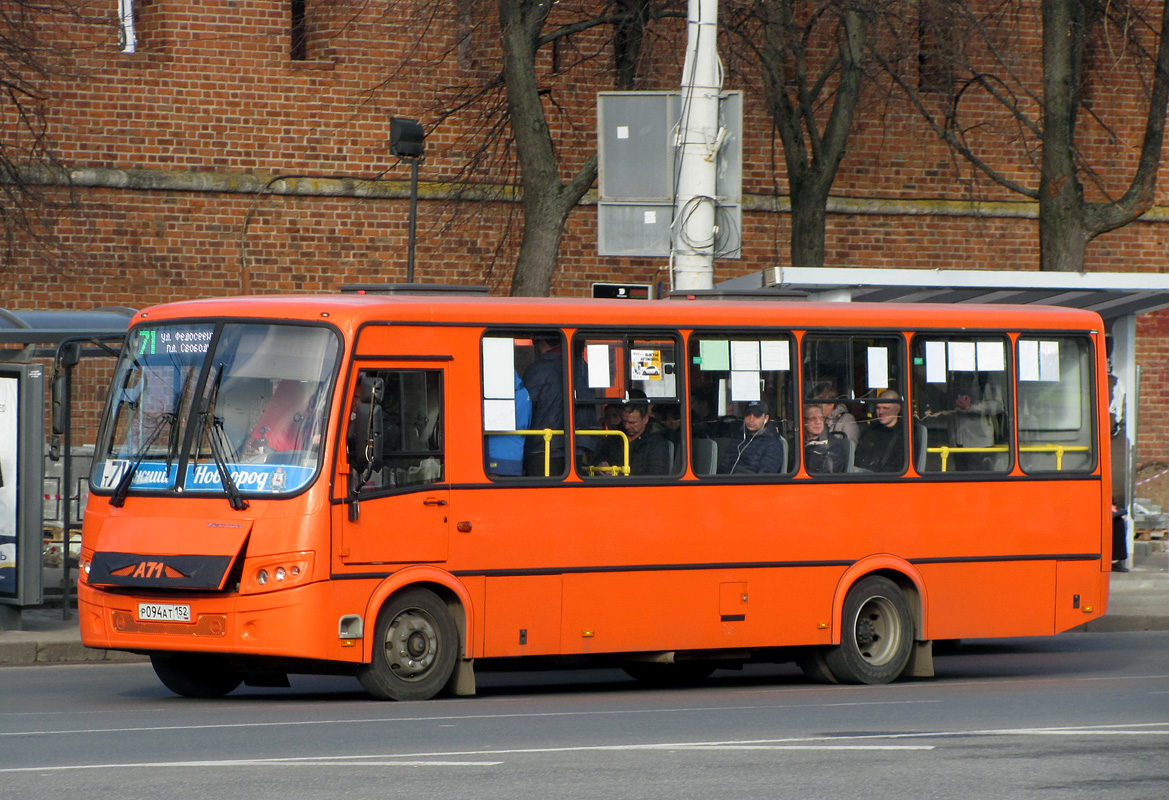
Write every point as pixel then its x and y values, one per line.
pixel 59 393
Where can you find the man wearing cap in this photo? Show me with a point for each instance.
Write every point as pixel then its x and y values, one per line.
pixel 759 451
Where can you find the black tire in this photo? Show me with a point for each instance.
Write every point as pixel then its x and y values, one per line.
pixel 876 634
pixel 686 673
pixel 416 646
pixel 195 675
pixel 814 665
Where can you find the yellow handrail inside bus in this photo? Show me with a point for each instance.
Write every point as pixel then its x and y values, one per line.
pixel 1058 449
pixel 548 433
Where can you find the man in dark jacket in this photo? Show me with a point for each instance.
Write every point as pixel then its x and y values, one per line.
pixel 649 451
pixel 759 451
pixel 882 443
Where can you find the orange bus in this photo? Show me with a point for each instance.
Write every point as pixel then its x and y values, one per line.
pixel 397 487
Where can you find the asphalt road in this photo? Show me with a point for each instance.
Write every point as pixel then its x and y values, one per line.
pixel 1078 715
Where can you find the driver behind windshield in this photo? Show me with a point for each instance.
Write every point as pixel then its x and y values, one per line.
pixel 287 421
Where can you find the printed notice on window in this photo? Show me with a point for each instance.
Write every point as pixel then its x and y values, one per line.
pixel 498 368
pixel 878 368
pixel 499 415
pixel 935 362
pixel 598 358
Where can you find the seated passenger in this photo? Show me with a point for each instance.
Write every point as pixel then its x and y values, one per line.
pixel 758 451
pixel 836 416
pixel 824 452
pixel 649 452
pixel 882 443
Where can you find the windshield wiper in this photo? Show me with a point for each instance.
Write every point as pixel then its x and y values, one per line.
pixel 217 440
pixel 118 498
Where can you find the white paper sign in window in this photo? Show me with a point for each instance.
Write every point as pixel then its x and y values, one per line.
pixel 1028 360
pixel 499 415
pixel 878 358
pixel 992 357
pixel 744 386
pixel 774 356
pixel 745 355
pixel 598 358
pixel 498 368
pixel 935 362
pixel 1049 361
pixel 961 355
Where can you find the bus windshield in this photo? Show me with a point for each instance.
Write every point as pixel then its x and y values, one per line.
pixel 192 402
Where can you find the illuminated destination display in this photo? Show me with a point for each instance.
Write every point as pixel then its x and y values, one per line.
pixel 173 340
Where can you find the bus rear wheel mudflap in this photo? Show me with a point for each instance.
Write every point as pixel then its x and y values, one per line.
pixel 195 674
pixel 876 634
pixel 416 646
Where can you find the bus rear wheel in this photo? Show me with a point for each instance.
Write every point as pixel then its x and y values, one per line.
pixel 876 634
pixel 195 675
pixel 415 648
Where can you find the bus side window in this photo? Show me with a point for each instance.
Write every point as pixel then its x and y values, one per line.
pixel 1056 418
pixel 960 403
pixel 625 398
pixel 859 382
pixel 523 378
pixel 742 404
pixel 412 431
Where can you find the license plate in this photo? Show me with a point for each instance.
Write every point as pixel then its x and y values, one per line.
pixel 164 612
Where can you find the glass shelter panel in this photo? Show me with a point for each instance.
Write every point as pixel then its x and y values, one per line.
pixel 960 402
pixel 1056 417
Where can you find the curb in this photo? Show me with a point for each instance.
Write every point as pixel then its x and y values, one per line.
pixel 29 653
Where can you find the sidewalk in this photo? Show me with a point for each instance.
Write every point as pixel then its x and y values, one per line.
pixel 1138 601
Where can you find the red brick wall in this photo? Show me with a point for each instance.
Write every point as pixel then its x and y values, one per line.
pixel 213 90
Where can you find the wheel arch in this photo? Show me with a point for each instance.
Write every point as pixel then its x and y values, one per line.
pixel 442 583
pixel 896 569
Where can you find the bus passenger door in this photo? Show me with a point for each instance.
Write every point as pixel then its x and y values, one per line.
pixel 401 512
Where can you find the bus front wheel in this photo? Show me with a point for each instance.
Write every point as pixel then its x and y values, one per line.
pixel 195 675
pixel 415 648
pixel 876 634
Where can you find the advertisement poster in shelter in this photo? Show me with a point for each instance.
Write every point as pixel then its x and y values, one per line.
pixel 9 398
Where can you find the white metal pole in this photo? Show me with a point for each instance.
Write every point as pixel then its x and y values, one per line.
pixel 698 140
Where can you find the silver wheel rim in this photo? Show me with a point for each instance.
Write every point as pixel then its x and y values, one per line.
pixel 411 644
pixel 877 631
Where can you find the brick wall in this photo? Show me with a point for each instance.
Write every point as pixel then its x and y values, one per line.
pixel 213 93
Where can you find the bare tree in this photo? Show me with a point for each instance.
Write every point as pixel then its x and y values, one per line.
pixel 27 62
pixel 547 199
pixel 1047 123
pixel 798 85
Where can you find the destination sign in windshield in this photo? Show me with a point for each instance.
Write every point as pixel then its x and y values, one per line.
pixel 173 340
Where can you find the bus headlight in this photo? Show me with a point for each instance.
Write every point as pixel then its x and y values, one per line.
pixel 270 573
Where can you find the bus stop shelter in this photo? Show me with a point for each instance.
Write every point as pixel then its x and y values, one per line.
pixel 39 348
pixel 1118 297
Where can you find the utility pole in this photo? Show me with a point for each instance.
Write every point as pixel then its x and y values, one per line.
pixel 698 141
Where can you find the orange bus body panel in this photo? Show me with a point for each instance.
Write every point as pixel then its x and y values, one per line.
pixel 580 567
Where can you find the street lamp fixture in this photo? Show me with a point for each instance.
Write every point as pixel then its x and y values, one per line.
pixel 406 138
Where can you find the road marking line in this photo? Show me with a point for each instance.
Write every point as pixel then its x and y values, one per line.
pixel 816 743
pixel 457 718
pixel 254 762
